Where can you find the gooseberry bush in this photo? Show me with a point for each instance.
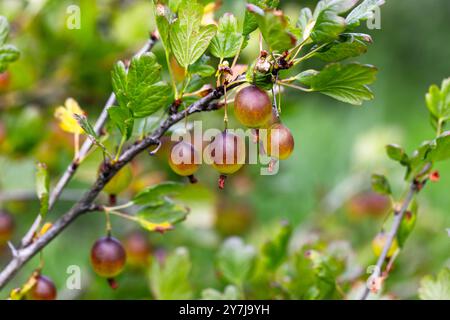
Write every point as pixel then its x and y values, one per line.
pixel 202 58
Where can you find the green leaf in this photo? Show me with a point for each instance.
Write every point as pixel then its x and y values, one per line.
pixel 326 270
pixel 346 83
pixel 4 30
pixel 141 90
pixel 407 225
pixel 274 251
pixel 380 184
pixel 163 19
pixel 170 280
pixel 436 288
pixel 119 83
pixel 250 23
pixel 227 41
pixel 305 23
pixel 123 119
pixel 146 93
pixel 188 38
pixel 362 12
pixel 236 260
pixel 89 130
pixel 397 153
pixel 438 101
pixel 8 52
pixel 440 148
pixel 275 26
pixel 340 6
pixel 348 45
pixel 154 195
pixel 418 159
pixel 163 217
pixel 328 24
pixel 201 68
pixel 42 188
pixel 85 125
pixel 230 293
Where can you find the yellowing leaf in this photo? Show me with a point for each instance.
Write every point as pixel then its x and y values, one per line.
pixel 158 227
pixel 45 229
pixel 65 116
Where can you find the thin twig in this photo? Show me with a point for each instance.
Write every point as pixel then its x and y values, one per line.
pixel 413 189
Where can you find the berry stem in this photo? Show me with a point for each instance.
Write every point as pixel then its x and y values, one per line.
pixel 192 179
pixel 112 283
pixel 222 179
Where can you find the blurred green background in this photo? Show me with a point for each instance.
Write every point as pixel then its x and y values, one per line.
pixel 337 146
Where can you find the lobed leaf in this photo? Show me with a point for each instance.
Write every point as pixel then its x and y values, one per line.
pixel 154 195
pixel 397 153
pixel 123 119
pixel 275 250
pixel 348 45
pixel 169 281
pixel 140 93
pixel 275 29
pixel 346 83
pixel 250 22
pixel 436 288
pixel 438 101
pixel 188 38
pixel 230 293
pixel 235 260
pixel 161 218
pixel 227 41
pixel 363 11
pixel 380 184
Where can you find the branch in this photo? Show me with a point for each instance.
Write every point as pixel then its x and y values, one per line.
pixel 414 188
pixel 86 203
pixel 88 143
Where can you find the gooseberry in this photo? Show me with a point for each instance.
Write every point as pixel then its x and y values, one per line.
pixel 43 289
pixel 280 142
pixel 108 257
pixel 120 181
pixel 252 107
pixel 138 249
pixel 183 160
pixel 227 154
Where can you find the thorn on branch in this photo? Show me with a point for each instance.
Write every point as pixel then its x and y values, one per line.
pixel 154 151
pixel 14 251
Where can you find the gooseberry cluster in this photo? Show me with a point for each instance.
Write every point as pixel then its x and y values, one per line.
pixel 252 108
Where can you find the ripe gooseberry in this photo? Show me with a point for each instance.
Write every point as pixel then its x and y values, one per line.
pixel 120 181
pixel 367 204
pixel 108 258
pixel 43 289
pixel 183 160
pixel 138 249
pixel 380 241
pixel 227 154
pixel 6 227
pixel 252 107
pixel 280 142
